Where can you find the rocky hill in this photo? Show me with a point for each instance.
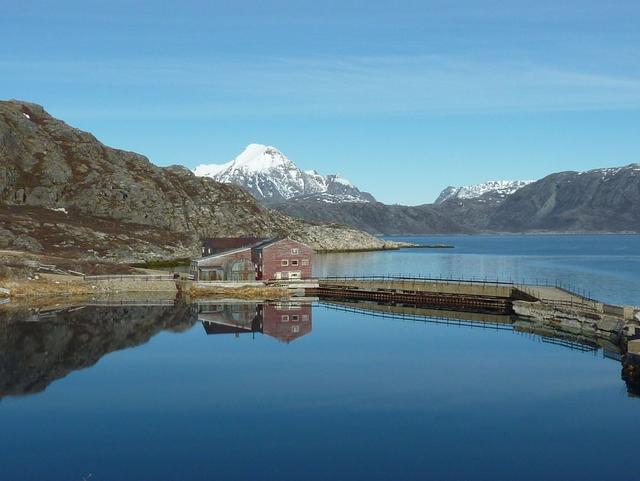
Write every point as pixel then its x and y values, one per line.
pixel 61 190
pixel 376 217
pixel 600 200
pixel 270 176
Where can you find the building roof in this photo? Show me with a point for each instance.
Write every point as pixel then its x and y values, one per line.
pixel 220 254
pixel 259 243
pixel 227 243
pixel 274 240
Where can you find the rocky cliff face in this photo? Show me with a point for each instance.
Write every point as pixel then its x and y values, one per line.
pixel 61 189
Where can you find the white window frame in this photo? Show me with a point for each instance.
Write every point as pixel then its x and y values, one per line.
pixel 284 318
pixel 295 251
pixel 284 263
pixel 295 262
pixel 305 262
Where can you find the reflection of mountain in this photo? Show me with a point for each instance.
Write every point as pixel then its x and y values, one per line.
pixel 285 321
pixel 38 347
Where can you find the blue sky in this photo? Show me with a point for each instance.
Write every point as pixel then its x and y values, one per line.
pixel 403 98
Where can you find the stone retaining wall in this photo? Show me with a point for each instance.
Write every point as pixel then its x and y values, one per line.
pixel 131 285
pixel 572 320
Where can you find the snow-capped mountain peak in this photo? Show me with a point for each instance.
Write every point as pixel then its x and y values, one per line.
pixel 499 188
pixel 260 158
pixel 270 176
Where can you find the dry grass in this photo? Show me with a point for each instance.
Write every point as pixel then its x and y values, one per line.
pixel 47 287
pixel 250 293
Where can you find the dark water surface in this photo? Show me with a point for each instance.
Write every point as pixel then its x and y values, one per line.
pixel 294 391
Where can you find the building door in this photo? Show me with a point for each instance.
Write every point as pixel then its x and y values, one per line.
pixel 295 275
pixel 278 275
pixel 241 270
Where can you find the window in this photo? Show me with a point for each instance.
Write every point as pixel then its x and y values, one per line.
pixel 305 317
pixel 284 262
pixel 284 318
pixel 294 262
pixel 295 318
pixel 295 329
pixel 295 251
pixel 305 262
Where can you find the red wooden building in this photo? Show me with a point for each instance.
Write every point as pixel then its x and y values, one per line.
pixel 248 258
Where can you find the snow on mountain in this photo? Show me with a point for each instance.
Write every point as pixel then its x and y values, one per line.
pixel 270 176
pixel 497 188
pixel 608 172
pixel 210 170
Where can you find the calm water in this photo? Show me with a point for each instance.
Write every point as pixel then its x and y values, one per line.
pixel 293 391
pixel 604 267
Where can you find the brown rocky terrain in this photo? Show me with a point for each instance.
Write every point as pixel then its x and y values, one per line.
pixel 64 192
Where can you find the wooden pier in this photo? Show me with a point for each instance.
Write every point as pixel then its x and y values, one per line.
pixel 459 295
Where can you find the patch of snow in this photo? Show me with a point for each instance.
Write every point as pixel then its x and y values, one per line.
pixel 609 171
pixel 26 115
pixel 59 209
pixel 260 158
pixel 210 170
pixel 501 188
pixel 342 180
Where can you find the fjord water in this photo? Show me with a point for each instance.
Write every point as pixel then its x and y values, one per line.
pixel 605 267
pixel 204 392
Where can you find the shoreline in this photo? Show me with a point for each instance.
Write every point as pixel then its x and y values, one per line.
pixel 48 289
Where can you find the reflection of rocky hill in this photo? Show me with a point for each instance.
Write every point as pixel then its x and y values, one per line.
pixel 37 347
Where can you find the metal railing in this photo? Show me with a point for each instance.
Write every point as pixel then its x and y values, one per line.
pixel 461 279
pixel 130 277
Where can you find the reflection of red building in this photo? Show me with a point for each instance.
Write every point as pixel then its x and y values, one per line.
pixel 230 318
pixel 285 321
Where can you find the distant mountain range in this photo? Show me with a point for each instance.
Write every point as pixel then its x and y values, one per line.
pixel 271 177
pixel 64 192
pixel 600 200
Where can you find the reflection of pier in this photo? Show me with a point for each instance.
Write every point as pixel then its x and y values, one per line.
pixel 412 313
pixel 285 321
pixel 533 330
pixel 548 333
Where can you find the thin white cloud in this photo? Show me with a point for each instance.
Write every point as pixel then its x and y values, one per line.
pixel 349 85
